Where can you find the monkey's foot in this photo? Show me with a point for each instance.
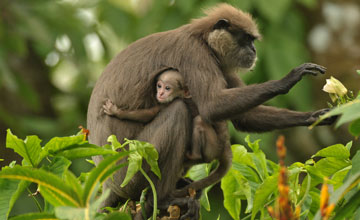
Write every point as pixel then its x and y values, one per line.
pixel 189 206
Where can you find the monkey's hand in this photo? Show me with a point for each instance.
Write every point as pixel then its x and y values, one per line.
pixel 297 73
pixel 316 115
pixel 110 108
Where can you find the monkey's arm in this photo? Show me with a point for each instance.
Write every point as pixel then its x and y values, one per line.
pixel 140 115
pixel 234 101
pixel 266 118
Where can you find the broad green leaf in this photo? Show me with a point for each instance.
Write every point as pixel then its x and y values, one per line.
pixel 354 128
pixel 81 152
pixel 8 188
pixel 329 166
pixel 241 156
pixel 245 190
pixel 262 194
pixel 29 149
pixel 76 213
pixel 135 162
pixel 35 216
pixel 72 213
pixel 198 172
pixel 61 143
pixel 229 185
pixel 63 193
pixel 336 151
pixel 151 156
pixel 350 112
pixel 338 177
pixel 247 172
pixel 358 72
pixel 15 196
pixel 258 157
pixel 100 173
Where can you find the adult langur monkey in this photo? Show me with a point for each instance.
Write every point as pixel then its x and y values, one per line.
pixel 207 52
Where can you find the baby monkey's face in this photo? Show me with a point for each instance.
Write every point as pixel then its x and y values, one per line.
pixel 167 91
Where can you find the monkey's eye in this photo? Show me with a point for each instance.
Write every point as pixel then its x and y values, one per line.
pixel 159 86
pixel 167 88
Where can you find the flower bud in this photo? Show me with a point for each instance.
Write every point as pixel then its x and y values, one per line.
pixel 334 86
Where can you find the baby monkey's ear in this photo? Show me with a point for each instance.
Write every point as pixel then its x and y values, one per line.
pixel 187 94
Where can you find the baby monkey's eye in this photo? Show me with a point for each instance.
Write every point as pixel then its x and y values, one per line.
pixel 159 86
pixel 167 88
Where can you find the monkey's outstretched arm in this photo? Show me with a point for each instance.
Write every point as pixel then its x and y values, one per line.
pixel 235 101
pixel 139 115
pixel 266 118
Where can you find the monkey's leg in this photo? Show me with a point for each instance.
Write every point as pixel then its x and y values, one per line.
pixel 169 132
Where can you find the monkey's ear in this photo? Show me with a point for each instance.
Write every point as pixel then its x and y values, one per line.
pixel 187 94
pixel 221 24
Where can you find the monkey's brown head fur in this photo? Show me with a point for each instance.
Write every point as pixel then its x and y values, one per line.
pixel 230 33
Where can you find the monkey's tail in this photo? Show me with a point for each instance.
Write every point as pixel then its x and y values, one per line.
pixel 224 165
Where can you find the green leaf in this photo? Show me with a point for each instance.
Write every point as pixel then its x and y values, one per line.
pixel 247 172
pixel 358 72
pixel 354 128
pixel 135 162
pixel 59 165
pixel 76 213
pixel 229 185
pixel 29 149
pixel 338 177
pixel 198 172
pixel 35 216
pixel 330 165
pixel 7 190
pixel 57 192
pixel 258 157
pixel 99 174
pixel 81 152
pixel 61 143
pixel 263 192
pixel 115 144
pixel 336 151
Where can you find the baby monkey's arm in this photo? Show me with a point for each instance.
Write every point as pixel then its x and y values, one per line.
pixel 140 115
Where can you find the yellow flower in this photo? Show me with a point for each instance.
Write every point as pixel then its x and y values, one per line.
pixel 334 86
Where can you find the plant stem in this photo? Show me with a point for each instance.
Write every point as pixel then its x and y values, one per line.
pixel 153 191
pixel 35 200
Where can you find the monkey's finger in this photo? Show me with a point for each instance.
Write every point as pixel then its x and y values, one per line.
pixel 313 66
pixel 316 67
pixel 314 73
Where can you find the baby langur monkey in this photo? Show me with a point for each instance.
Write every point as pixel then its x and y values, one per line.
pixel 169 86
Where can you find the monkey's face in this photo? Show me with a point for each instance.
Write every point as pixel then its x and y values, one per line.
pixel 166 92
pixel 234 47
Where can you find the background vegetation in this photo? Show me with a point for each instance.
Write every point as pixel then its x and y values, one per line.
pixel 52 52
